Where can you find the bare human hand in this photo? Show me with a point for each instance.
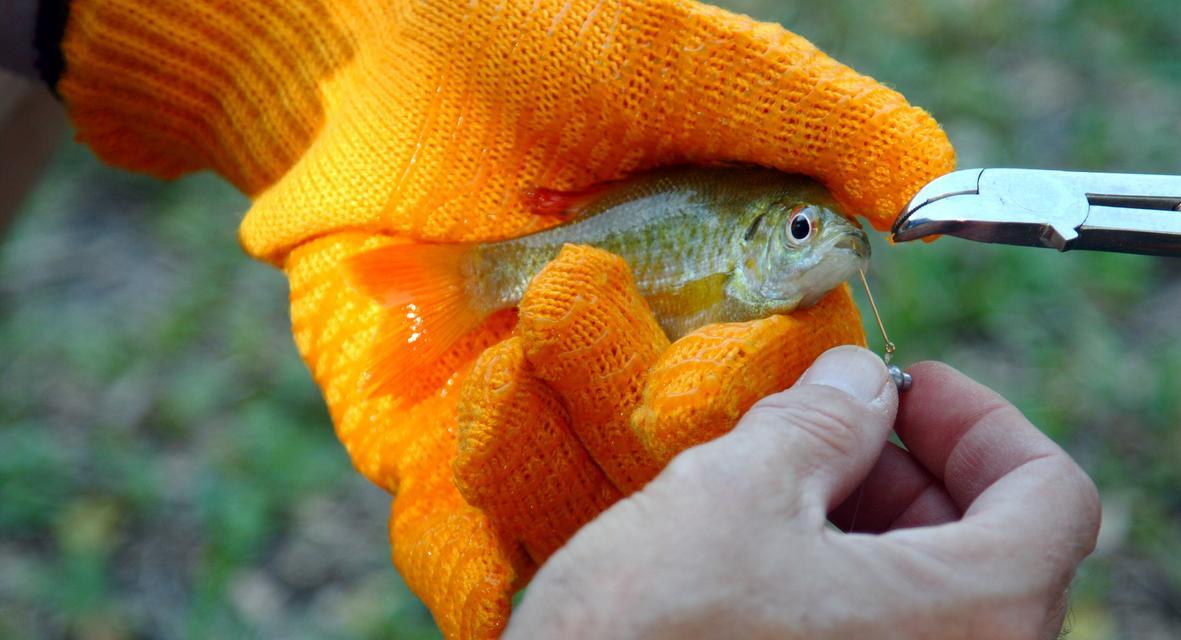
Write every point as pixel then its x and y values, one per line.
pixel 973 531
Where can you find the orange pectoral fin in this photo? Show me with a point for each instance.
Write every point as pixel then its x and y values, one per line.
pixel 689 298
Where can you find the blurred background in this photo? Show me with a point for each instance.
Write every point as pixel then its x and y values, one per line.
pixel 167 468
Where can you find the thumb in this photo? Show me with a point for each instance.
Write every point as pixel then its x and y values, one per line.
pixel 803 450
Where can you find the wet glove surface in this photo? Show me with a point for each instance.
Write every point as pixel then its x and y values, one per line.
pixel 356 124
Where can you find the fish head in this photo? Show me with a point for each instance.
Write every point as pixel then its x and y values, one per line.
pixel 797 250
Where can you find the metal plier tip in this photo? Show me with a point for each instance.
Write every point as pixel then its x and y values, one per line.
pixel 1129 213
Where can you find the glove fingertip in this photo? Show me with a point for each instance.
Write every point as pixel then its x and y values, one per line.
pixel 703 384
pixel 592 338
pixel 453 558
pixel 909 149
pixel 579 279
pixel 518 459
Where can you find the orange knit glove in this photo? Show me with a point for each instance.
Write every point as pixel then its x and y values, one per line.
pixel 357 123
pixel 586 402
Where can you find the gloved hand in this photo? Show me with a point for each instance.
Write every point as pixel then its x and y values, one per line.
pixel 586 402
pixel 358 123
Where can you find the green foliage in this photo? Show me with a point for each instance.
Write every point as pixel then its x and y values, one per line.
pixel 167 468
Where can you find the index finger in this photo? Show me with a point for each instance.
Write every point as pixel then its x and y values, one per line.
pixel 998 468
pixel 592 338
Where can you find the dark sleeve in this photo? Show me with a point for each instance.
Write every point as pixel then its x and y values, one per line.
pixel 47 40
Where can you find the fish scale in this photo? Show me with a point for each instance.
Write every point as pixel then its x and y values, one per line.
pixel 673 227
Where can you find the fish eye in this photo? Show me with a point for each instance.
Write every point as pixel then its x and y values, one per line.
pixel 801 225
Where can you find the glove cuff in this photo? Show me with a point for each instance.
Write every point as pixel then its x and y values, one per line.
pixel 173 86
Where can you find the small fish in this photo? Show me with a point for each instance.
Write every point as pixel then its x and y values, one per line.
pixel 705 245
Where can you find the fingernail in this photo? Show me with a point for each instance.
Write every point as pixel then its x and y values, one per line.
pixel 856 371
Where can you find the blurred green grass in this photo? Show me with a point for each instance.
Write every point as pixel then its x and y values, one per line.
pixel 167 468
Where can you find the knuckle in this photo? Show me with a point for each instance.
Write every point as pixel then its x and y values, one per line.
pixel 1092 504
pixel 826 423
pixel 830 429
pixel 1088 513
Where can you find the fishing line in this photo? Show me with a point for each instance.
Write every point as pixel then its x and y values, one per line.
pixel 901 378
pixel 856 508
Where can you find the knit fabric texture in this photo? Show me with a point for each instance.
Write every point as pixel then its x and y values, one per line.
pixel 587 401
pixel 359 123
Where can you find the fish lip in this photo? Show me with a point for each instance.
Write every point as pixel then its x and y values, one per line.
pixel 857 244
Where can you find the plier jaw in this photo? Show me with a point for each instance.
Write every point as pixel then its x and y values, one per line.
pixel 1064 210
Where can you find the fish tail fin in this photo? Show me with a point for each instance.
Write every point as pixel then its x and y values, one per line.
pixel 424 289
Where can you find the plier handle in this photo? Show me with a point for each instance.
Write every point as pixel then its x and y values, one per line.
pixel 1063 210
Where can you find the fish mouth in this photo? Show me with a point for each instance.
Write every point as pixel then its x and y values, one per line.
pixel 845 255
pixel 855 243
pixel 850 254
